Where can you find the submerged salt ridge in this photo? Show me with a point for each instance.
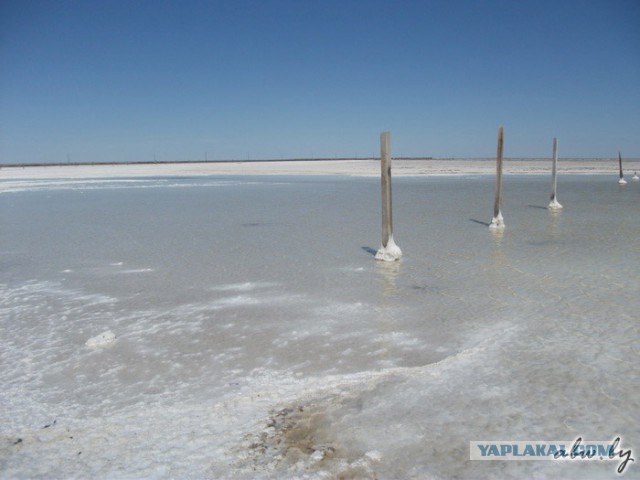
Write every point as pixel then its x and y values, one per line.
pixel 248 345
pixel 49 185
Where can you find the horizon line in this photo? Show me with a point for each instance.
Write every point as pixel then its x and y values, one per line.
pixel 273 160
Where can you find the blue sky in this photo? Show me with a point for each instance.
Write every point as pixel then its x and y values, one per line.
pixel 142 80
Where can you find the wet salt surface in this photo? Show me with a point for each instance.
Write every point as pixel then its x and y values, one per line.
pixel 255 336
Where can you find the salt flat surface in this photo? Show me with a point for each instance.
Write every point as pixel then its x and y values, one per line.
pixel 254 335
pixel 354 167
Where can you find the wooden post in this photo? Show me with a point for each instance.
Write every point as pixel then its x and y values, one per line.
pixel 498 222
pixel 622 181
pixel 389 251
pixel 553 204
pixel 385 170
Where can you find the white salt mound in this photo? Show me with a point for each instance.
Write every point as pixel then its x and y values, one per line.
pixel 390 253
pixel 374 456
pixel 105 338
pixel 497 223
pixel 554 205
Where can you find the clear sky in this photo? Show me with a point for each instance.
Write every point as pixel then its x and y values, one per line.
pixel 114 80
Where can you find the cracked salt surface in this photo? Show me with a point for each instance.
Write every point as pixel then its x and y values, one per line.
pixel 274 354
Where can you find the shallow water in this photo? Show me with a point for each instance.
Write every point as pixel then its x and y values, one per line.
pixel 257 336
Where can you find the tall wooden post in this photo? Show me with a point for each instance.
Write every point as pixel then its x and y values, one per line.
pixel 553 204
pixel 622 181
pixel 389 251
pixel 498 222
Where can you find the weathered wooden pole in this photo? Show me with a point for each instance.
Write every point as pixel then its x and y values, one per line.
pixel 622 181
pixel 497 223
pixel 554 204
pixel 389 251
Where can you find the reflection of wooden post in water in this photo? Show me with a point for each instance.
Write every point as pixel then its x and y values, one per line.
pixel 389 251
pixel 498 222
pixel 622 181
pixel 554 205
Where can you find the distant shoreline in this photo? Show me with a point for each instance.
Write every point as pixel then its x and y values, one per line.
pixel 333 159
pixel 402 166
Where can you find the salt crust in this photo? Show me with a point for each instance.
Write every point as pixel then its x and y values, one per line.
pixel 497 222
pixel 554 205
pixel 390 253
pixel 363 167
pixel 102 340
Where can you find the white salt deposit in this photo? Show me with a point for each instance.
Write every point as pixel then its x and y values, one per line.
pixel 102 340
pixel 136 270
pixel 390 253
pixel 554 205
pixel 497 222
pixel 243 287
pixel 374 456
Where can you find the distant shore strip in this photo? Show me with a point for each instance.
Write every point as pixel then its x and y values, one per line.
pixel 402 166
